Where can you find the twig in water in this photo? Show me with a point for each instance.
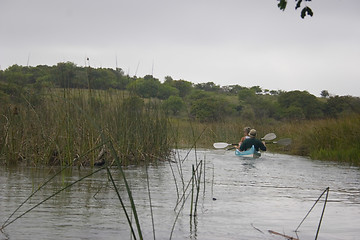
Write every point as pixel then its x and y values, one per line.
pixel 151 209
pixel 257 229
pixel 326 190
pixel 283 235
pixel 322 213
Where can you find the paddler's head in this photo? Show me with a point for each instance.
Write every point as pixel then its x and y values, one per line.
pixel 252 133
pixel 247 130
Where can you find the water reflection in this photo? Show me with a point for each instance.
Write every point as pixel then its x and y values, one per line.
pixel 273 192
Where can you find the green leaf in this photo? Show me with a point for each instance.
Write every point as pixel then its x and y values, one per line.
pixel 282 4
pixel 306 11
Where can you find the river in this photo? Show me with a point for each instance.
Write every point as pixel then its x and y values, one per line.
pixel 238 199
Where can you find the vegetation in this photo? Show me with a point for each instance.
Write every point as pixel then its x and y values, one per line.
pixel 65 125
pixel 51 114
pixel 305 10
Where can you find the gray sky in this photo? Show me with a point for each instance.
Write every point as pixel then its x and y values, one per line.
pixel 250 43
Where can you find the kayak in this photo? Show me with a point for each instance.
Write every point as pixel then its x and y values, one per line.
pixel 250 153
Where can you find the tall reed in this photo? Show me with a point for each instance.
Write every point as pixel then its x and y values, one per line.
pixel 327 139
pixel 59 128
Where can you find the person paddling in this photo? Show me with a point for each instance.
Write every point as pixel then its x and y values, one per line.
pixel 249 142
pixel 246 135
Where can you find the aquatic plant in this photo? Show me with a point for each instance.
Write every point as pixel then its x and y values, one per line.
pixel 326 139
pixel 60 128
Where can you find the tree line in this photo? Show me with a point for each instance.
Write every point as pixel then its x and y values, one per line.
pixel 179 98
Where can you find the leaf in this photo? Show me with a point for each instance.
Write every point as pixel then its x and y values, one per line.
pixel 298 4
pixel 282 4
pixel 306 11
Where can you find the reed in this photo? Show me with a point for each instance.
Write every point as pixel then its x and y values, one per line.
pixel 56 126
pixel 67 123
pixel 327 139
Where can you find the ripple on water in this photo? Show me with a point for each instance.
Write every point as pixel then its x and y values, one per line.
pixel 272 192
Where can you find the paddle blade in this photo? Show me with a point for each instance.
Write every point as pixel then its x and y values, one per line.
pixel 220 145
pixel 284 141
pixel 269 137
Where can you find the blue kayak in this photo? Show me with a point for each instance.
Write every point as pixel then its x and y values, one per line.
pixel 250 153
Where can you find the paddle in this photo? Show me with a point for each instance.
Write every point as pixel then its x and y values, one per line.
pixel 284 141
pixel 223 144
pixel 267 137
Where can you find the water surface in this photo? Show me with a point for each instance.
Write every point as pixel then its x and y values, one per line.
pixel 241 199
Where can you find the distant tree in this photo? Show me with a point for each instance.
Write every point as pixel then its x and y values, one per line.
pixel 209 86
pixel 342 105
pixel 274 92
pixel 310 106
pixel 65 74
pixel 183 86
pixel 18 75
pixel 206 107
pixel 246 95
pixel 166 90
pixel 261 106
pixel 173 105
pixel 234 89
pixel 256 89
pixel 324 93
pixel 145 87
pixel 293 112
pixel 168 80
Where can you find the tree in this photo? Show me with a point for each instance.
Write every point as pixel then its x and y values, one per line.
pixel 256 89
pixel 324 93
pixel 168 80
pixel 306 102
pixel 183 86
pixel 246 95
pixel 206 107
pixel 64 74
pixel 233 89
pixel 173 105
pixel 305 10
pixel 209 86
pixel 145 87
pixel 336 106
pixel 165 91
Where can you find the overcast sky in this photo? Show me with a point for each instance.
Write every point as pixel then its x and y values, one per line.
pixel 250 43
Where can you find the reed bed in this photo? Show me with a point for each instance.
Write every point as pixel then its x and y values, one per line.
pixel 57 126
pixel 65 124
pixel 327 139
pixel 324 139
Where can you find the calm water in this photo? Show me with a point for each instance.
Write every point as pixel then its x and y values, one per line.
pixel 252 196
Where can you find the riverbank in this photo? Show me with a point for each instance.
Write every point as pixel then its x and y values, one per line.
pixel 64 126
pixel 325 139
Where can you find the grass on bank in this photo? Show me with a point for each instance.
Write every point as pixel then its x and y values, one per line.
pixel 326 139
pixel 55 127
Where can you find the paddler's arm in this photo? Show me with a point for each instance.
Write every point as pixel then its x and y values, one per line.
pixel 263 146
